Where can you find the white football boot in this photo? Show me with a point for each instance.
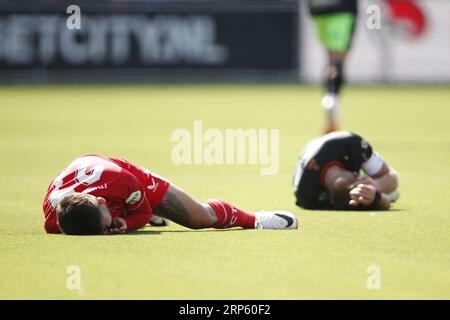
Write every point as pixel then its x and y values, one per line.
pixel 275 220
pixel 330 104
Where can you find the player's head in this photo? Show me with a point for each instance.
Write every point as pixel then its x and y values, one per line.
pixel 83 214
pixel 339 190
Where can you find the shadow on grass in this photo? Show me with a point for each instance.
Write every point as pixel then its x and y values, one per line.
pixel 158 232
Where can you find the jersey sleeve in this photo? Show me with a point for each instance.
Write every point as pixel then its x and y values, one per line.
pixel 365 157
pixel 155 186
pixel 137 207
pixel 361 151
pixel 50 224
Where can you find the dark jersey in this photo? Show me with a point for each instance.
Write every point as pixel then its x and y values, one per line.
pixel 344 149
pixel 317 7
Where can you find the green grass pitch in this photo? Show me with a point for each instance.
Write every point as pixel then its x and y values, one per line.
pixel 42 128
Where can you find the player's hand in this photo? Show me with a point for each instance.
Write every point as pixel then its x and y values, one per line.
pixel 363 180
pixel 362 194
pixel 118 225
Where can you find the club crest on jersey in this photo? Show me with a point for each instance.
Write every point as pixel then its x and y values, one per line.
pixel 133 198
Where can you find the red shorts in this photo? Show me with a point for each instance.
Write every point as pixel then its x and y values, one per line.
pixel 154 185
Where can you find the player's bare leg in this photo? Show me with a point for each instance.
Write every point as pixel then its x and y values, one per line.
pixel 331 101
pixel 181 208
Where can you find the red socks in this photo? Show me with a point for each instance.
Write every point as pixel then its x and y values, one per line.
pixel 228 216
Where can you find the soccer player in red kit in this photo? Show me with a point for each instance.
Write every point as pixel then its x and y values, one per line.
pixel 98 195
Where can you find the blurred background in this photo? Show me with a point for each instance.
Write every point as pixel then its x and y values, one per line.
pixel 211 40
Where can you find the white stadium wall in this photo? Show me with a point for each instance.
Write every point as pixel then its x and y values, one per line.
pixel 392 54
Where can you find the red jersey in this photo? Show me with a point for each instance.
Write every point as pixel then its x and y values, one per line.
pixel 131 192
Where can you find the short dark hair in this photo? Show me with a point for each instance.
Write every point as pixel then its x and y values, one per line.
pixel 77 214
pixel 340 192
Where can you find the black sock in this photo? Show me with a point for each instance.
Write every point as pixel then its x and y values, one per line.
pixel 334 78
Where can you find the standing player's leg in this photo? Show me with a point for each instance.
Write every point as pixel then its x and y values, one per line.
pixel 335 31
pixel 181 208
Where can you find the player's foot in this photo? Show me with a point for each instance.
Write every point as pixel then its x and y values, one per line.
pixel 330 105
pixel 275 220
pixel 156 221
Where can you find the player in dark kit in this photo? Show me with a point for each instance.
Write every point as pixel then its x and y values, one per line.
pixel 327 175
pixel 334 21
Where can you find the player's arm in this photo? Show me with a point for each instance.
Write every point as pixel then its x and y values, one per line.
pixel 138 217
pixel 136 205
pixel 135 219
pixel 383 177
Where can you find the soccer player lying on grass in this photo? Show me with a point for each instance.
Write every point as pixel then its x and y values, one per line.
pixel 101 195
pixel 327 175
